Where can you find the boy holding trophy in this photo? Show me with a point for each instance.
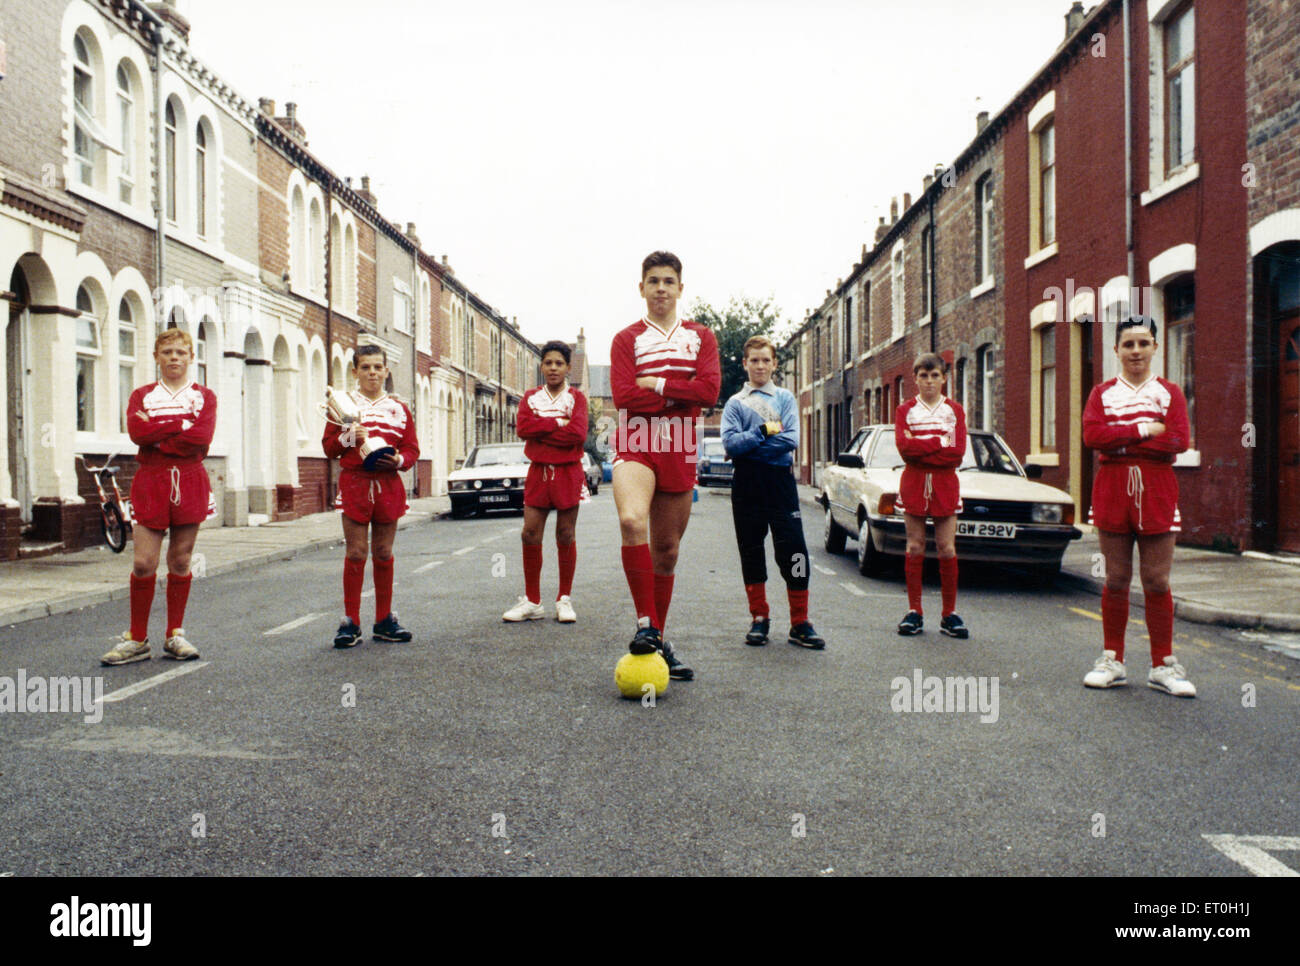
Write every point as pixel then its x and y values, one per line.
pixel 373 437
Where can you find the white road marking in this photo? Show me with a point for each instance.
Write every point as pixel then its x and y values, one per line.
pixel 1252 852
pixel 154 681
pixel 429 566
pixel 290 625
pixel 856 592
pixel 462 551
pixel 824 570
pixel 368 593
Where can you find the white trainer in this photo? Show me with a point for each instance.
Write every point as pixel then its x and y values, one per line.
pixel 126 650
pixel 524 610
pixel 1171 679
pixel 564 610
pixel 1106 673
pixel 178 648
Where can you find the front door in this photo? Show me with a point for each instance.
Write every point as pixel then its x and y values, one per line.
pixel 15 372
pixel 1288 443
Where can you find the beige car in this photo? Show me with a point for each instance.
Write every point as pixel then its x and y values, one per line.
pixel 1006 517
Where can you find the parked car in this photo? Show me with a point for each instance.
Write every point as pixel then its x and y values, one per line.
pixel 1005 518
pixel 492 478
pixel 712 466
pixel 606 471
pixel 592 472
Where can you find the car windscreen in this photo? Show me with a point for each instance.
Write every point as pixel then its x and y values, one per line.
pixel 983 453
pixel 496 456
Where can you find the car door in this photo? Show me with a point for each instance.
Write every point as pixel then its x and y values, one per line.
pixel 841 486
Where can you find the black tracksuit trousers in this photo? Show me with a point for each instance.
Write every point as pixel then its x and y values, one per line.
pixel 765 497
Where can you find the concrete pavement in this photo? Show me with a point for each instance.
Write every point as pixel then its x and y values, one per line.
pixel 38 587
pixel 1231 590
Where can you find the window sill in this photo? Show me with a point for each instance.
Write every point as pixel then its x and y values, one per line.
pixel 984 287
pixel 98 197
pixel 1044 459
pixel 1042 255
pixel 1175 181
pixel 923 321
pixel 1191 457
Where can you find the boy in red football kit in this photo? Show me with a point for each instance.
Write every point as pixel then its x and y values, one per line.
pixel 930 431
pixel 172 421
pixel 553 421
pixel 1139 424
pixel 662 371
pixel 372 499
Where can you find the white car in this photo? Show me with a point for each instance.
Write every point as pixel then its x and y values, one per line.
pixel 492 478
pixel 1006 517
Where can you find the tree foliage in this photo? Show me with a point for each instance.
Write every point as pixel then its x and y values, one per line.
pixel 742 319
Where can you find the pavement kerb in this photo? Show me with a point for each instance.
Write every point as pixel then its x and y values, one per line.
pixel 1195 612
pixel 89 598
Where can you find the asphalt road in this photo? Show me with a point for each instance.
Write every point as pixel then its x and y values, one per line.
pixel 486 748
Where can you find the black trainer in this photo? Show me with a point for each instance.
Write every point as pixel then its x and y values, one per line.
pixel 911 624
pixel 646 641
pixel 952 626
pixel 757 635
pixel 678 669
pixel 389 630
pixel 804 635
pixel 348 634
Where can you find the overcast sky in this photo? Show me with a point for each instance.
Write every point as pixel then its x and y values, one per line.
pixel 546 148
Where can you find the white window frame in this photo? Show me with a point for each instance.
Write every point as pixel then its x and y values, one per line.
pixel 898 282
pixel 1161 179
pixel 126 122
pixel 126 364
pixel 92 356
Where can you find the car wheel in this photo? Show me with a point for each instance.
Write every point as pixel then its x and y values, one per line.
pixel 833 535
pixel 595 488
pixel 870 560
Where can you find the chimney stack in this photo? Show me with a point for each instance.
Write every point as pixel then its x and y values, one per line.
pixel 1074 19
pixel 926 182
pixel 266 106
pixel 410 233
pixel 907 200
pixel 364 194
pixel 881 230
pixel 290 122
pixel 981 121
pixel 893 210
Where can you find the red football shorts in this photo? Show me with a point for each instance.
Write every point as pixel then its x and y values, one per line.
pixel 1137 498
pixel 929 493
pixel 554 486
pixel 167 495
pixel 673 474
pixel 662 444
pixel 371 497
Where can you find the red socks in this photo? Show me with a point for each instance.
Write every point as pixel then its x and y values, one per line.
pixel 757 594
pixel 568 554
pixel 948 583
pixel 178 594
pixel 798 606
pixel 383 587
pixel 354 573
pixel 533 572
pixel 1114 618
pixel 639 571
pixel 663 597
pixel 141 600
pixel 1160 625
pixel 912 564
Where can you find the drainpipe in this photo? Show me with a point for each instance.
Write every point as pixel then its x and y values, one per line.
pixel 160 207
pixel 934 307
pixel 1128 154
pixel 329 287
pixel 415 352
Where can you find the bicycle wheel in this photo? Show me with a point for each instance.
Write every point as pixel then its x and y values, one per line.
pixel 114 527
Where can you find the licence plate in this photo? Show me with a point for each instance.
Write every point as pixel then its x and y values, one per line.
pixel 976 528
pixel 502 498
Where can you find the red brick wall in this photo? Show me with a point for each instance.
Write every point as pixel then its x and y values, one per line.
pixel 1272 95
pixel 366 269
pixel 310 496
pixel 272 209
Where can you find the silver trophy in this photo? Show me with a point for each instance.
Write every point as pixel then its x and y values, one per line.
pixel 340 409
